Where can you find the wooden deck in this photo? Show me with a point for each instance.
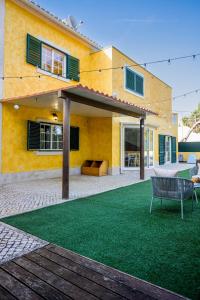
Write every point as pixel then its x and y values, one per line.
pixel 55 273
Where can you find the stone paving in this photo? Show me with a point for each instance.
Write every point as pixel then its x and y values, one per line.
pixel 25 196
pixel 14 243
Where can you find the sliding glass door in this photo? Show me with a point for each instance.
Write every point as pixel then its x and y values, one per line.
pixel 148 147
pixel 130 149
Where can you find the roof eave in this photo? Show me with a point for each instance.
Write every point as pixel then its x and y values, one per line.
pixel 54 19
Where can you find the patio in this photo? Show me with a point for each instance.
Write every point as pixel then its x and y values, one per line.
pixel 30 195
pixel 116 229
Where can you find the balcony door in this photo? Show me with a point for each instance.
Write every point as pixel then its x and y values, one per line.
pixel 167 149
pixel 130 147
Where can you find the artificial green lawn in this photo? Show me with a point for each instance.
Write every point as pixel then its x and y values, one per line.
pixel 116 228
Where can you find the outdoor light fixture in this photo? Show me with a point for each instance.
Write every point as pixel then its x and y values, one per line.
pixel 16 106
pixel 55 116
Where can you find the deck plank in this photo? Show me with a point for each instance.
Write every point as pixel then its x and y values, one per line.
pixel 33 282
pixel 5 295
pixel 16 288
pixel 150 290
pixel 56 281
pixel 90 274
pixel 75 278
pixel 54 273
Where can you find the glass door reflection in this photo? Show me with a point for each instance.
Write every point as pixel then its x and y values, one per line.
pixel 131 147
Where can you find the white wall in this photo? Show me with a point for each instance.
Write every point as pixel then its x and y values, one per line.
pixel 2 16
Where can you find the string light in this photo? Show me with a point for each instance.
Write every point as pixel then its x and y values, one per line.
pixel 169 60
pixel 176 97
pixel 145 64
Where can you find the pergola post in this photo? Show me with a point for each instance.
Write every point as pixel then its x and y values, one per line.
pixel 66 148
pixel 142 148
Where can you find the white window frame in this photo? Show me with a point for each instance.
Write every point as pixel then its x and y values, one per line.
pixel 139 74
pixel 51 140
pixel 53 50
pixel 170 149
pixel 133 125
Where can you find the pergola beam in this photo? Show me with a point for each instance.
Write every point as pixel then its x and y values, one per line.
pixel 98 104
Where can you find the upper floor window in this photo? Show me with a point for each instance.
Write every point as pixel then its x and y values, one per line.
pixel 47 58
pixel 134 82
pixel 53 60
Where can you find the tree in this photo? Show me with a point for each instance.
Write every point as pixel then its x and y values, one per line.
pixel 193 122
pixel 193 119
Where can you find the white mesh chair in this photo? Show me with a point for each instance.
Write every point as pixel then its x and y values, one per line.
pixel 172 188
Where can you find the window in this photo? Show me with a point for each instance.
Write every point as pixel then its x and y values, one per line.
pixel 53 61
pixel 134 82
pixel 49 137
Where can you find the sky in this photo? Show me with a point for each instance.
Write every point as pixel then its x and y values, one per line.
pixel 145 30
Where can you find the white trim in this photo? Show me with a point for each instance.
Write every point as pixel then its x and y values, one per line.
pixel 141 75
pixel 53 51
pixel 132 125
pixel 170 150
pixel 51 44
pixel 48 153
pixel 2 19
pixel 52 75
pixel 2 34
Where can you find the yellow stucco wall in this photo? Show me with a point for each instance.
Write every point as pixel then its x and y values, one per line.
pixel 100 131
pixel 15 157
pixel 19 22
pixel 157 97
pixel 187 154
pixel 100 137
pixel 95 140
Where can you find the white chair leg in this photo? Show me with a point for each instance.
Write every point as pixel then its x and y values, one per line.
pixel 151 205
pixel 182 209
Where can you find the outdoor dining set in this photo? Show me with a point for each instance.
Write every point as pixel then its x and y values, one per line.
pixel 175 188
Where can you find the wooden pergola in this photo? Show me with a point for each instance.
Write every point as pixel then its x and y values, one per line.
pixel 84 96
pixel 90 97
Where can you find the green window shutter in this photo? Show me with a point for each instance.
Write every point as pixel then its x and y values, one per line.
pixel 139 85
pixel 72 68
pixel 74 138
pixel 161 149
pixel 173 149
pixel 130 80
pixel 33 51
pixel 33 139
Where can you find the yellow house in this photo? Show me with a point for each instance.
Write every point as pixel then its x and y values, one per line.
pixel 40 55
